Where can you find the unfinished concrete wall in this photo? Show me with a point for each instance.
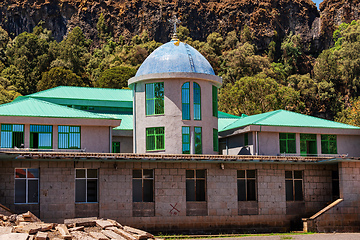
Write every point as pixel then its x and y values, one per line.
pixel 270 212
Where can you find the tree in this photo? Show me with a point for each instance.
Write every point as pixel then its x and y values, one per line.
pixel 102 28
pixel 258 94
pixel 59 76
pixel 115 77
pixel 291 49
pixel 350 115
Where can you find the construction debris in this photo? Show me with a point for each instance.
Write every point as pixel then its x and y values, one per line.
pixel 27 226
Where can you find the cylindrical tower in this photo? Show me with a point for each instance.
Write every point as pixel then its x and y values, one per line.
pixel 175 102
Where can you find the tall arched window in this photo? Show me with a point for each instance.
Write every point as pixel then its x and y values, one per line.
pixel 197 102
pixel 185 100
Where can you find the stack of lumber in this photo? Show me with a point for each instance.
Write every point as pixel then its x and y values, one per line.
pixel 27 226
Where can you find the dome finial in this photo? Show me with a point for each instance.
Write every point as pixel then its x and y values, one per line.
pixel 174 21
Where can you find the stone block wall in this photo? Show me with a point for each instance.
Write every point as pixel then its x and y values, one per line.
pixel 222 212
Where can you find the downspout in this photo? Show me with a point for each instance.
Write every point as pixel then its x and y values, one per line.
pixel 257 143
pixel 110 135
pixel 134 117
pixel 227 146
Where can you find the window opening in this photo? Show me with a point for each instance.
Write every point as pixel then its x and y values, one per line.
pixel 287 142
pixel 197 101
pixel 185 100
pixel 26 185
pixel 116 147
pixel 198 140
pixel 154 98
pixel 308 144
pixel 246 181
pixel 41 136
pixel 328 144
pixel 335 184
pixel 195 185
pixel 215 101
pixel 12 135
pixel 215 140
pixel 186 140
pixel 294 185
pixel 69 137
pixel 143 185
pixel 86 185
pixel 155 138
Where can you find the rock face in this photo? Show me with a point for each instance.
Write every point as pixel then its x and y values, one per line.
pixel 268 19
pixel 335 12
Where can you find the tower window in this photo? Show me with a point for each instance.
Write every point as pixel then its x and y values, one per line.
pixel 215 140
pixel 186 140
pixel 215 101
pixel 185 101
pixel 154 98
pixel 198 140
pixel 155 139
pixel 197 102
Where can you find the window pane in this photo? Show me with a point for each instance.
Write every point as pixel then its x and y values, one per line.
pixel 250 174
pixel 33 173
pixel 74 140
pixel 92 190
pixel 251 190
pixel 137 173
pixel 33 194
pixel 200 173
pixel 148 173
pixel 92 173
pixel 45 140
pixel 185 99
pixel 80 173
pixel 137 190
pixel 241 190
pixel 189 173
pixel 190 190
pixel 200 190
pixel 297 174
pixel 288 174
pixel 298 190
pixel 291 146
pixel 148 191
pixel 80 188
pixel 20 173
pixel 20 191
pixel 289 190
pixel 6 139
pixel 241 173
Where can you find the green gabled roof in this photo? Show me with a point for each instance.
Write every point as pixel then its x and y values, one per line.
pixel 284 118
pixel 86 96
pixel 126 121
pixel 29 107
pixel 226 115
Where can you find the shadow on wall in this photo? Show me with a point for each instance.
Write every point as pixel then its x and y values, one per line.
pixel 244 151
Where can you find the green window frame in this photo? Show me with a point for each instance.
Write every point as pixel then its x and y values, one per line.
pixel 41 136
pixel 328 144
pixel 287 142
pixel 12 135
pixel 185 101
pixel 308 145
pixel 215 140
pixel 115 147
pixel 154 98
pixel 69 137
pixel 215 101
pixel 186 140
pixel 198 140
pixel 197 101
pixel 155 139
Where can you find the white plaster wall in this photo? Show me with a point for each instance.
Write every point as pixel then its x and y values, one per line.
pixel 172 117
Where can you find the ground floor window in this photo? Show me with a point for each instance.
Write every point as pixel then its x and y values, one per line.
pixel 328 144
pixel 155 139
pixel 294 185
pixel 335 184
pixel 116 147
pixel 143 185
pixel 246 182
pixel 195 185
pixel 69 137
pixel 26 185
pixel 12 135
pixel 86 185
pixel 41 136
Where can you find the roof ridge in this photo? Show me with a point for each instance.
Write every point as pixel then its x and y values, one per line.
pixel 267 116
pixel 52 89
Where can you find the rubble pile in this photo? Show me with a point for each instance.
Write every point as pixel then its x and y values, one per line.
pixel 27 226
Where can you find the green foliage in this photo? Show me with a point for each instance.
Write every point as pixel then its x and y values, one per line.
pixel 246 35
pixel 350 115
pixel 4 38
pixel 257 94
pixel 102 28
pixel 7 95
pixel 291 50
pixel 115 77
pixel 59 76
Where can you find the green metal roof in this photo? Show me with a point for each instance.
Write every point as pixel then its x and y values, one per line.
pixel 226 115
pixel 86 96
pixel 29 107
pixel 283 118
pixel 126 121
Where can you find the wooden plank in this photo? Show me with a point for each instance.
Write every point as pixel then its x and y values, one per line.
pixel 112 235
pixel 41 236
pixel 103 224
pixel 98 236
pixel 4 230
pixel 63 231
pixel 78 235
pixel 14 236
pixel 142 234
pixel 90 221
pixel 33 228
pixel 81 228
pixel 123 233
pixel 116 224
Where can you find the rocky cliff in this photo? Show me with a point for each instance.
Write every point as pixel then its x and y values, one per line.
pixel 268 19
